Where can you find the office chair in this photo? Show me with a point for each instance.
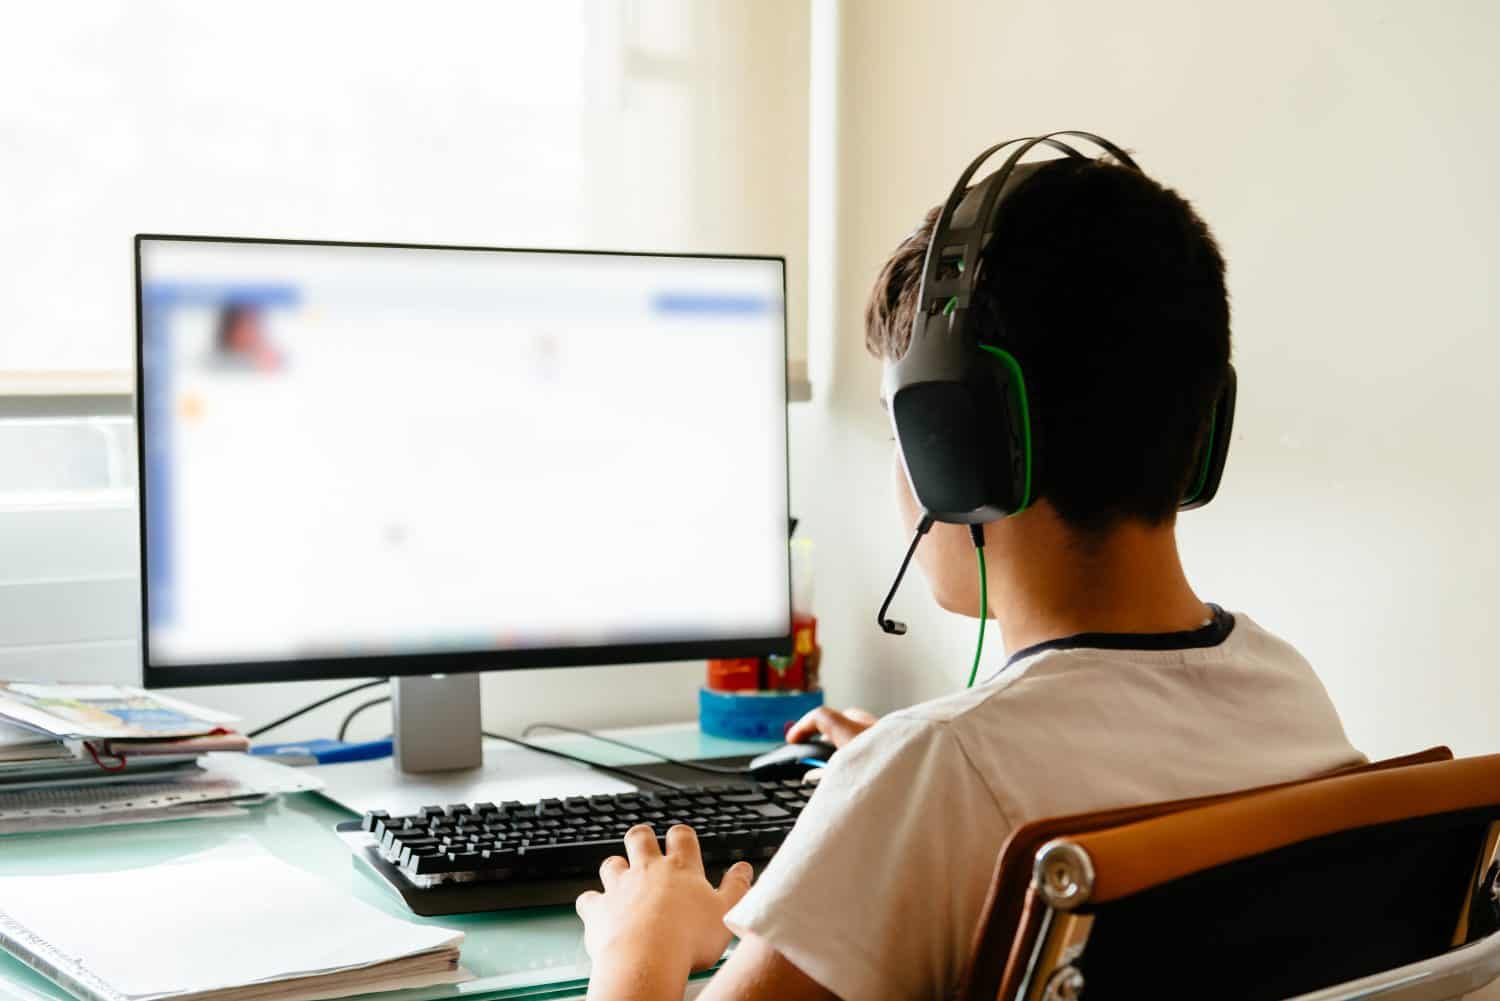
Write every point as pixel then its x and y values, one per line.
pixel 1376 882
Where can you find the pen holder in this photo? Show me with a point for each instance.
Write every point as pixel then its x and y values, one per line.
pixel 753 715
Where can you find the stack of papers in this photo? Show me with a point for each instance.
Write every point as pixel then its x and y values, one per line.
pixel 179 931
pixel 92 755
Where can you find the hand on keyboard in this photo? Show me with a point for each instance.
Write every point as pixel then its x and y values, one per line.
pixel 661 902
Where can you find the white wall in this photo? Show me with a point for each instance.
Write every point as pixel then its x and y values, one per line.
pixel 1342 152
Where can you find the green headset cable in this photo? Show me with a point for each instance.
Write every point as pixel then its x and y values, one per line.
pixel 976 532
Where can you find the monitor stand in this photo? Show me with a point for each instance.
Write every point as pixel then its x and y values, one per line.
pixel 436 722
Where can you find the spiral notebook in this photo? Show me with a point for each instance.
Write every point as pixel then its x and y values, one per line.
pixel 261 929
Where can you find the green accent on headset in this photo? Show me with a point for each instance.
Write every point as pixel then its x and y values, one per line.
pixel 1019 381
pixel 1208 451
pixel 952 303
pixel 984 614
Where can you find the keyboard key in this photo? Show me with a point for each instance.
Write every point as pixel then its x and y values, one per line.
pixel 367 823
pixel 498 863
pixel 418 846
pixel 432 865
pixel 767 840
pixel 748 797
pixel 711 845
pixel 738 843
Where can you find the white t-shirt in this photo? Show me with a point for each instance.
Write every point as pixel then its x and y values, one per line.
pixel 877 890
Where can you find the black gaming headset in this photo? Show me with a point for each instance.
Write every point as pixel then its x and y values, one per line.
pixel 959 406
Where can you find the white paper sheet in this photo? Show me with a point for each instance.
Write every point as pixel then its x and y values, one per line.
pixel 235 915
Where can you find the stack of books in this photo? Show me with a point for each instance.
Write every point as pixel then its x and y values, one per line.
pixel 55 734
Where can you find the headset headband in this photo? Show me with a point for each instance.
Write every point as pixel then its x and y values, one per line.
pixel 937 290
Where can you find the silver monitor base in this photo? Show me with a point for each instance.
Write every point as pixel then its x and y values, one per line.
pixel 436 722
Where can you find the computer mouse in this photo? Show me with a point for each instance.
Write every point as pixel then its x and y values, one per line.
pixel 790 761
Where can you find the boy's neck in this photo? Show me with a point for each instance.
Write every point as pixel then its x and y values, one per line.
pixel 1045 582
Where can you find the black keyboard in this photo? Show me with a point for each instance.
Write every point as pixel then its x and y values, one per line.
pixel 469 857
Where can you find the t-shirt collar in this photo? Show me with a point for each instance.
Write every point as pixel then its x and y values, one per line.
pixel 1213 632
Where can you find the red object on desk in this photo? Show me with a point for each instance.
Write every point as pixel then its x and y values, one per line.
pixel 739 674
pixel 797 672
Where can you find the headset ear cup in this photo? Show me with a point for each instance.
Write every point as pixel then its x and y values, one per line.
pixel 1012 474
pixel 1215 451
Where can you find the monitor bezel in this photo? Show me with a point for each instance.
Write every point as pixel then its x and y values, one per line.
pixel 449 662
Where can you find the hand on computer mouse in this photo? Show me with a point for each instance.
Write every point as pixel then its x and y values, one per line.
pixel 837 728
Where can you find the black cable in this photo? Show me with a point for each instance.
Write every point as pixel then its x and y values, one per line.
pixel 343 729
pixel 615 769
pixel 315 705
pixel 628 773
pixel 344 726
pixel 710 769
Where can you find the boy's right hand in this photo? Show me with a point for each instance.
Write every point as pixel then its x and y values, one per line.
pixel 838 728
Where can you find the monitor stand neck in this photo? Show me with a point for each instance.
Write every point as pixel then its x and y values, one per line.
pixel 436 722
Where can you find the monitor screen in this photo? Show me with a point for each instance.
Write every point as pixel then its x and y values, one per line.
pixel 376 459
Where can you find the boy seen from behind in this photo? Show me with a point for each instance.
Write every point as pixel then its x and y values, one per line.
pixel 1121 685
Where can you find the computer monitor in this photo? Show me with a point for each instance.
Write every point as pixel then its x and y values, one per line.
pixel 365 460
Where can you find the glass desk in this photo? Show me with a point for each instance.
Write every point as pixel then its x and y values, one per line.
pixel 534 954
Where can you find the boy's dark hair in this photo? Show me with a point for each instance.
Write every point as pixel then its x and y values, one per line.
pixel 1109 290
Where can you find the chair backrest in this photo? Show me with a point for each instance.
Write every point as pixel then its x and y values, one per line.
pixel 1265 892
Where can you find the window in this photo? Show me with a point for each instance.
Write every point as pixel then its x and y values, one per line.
pixel 649 125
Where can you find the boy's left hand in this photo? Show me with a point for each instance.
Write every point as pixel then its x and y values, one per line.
pixel 661 906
